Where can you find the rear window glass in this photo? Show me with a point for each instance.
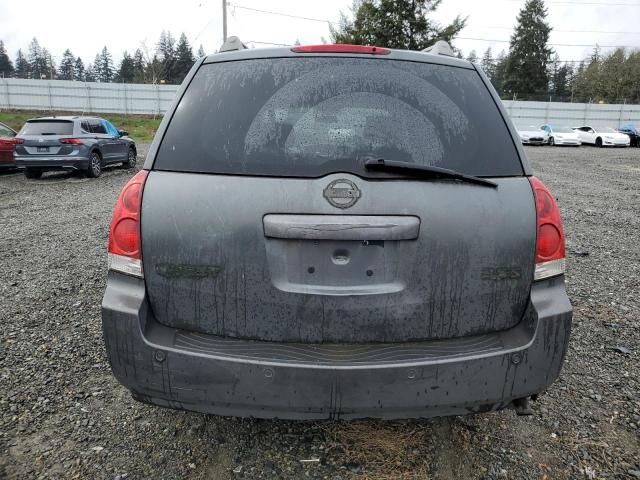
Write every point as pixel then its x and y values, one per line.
pixel 5 132
pixel 49 127
pixel 308 117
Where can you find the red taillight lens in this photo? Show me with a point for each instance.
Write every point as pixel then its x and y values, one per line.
pixel 71 141
pixel 341 48
pixel 550 247
pixel 10 141
pixel 18 141
pixel 124 236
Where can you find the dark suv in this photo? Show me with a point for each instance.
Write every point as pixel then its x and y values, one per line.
pixel 336 231
pixel 72 143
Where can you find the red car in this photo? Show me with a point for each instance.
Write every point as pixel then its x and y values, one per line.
pixel 7 145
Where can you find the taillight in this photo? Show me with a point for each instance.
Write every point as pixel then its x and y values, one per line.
pixel 18 141
pixel 550 249
pixel 71 141
pixel 124 235
pixel 342 48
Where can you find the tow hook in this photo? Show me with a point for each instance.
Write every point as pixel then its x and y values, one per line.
pixel 522 406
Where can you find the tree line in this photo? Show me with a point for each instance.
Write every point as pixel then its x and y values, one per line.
pixel 528 70
pixel 169 62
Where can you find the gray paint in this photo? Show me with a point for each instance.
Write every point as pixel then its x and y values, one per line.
pixel 112 149
pixel 441 285
pixel 420 301
pixel 341 227
pixel 267 380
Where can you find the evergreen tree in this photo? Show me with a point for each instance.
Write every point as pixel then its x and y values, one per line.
pixel 499 73
pixel 590 85
pixel 126 71
pixel 22 66
pixel 613 79
pixel 473 57
pixel 6 65
pixel 78 70
pixel 103 66
pixel 184 59
pixel 563 82
pixel 139 67
pixel 50 71
pixel 166 51
pixel 201 52
pixel 395 24
pixel 90 74
pixel 554 68
pixel 561 78
pixel 67 66
pixel 526 73
pixel 488 64
pixel 153 70
pixel 37 60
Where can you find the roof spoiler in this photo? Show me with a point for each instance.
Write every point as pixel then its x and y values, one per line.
pixel 441 47
pixel 232 44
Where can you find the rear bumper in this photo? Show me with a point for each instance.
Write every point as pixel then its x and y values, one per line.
pixel 53 163
pixel 204 373
pixel 565 142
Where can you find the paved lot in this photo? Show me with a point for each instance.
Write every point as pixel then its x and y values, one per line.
pixel 62 415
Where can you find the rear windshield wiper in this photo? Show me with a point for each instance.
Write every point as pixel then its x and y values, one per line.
pixel 407 168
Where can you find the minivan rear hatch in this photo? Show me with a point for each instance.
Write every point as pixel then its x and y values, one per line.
pixel 261 220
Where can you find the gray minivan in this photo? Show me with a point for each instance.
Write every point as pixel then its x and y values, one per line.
pixel 336 231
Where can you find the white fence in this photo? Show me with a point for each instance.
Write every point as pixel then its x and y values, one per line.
pixel 571 114
pixel 61 95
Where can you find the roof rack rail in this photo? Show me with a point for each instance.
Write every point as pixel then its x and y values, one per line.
pixel 441 47
pixel 232 44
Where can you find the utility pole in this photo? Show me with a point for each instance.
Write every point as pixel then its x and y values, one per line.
pixel 224 20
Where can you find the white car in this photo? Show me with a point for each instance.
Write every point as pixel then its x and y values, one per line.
pixel 532 135
pixel 561 136
pixel 602 137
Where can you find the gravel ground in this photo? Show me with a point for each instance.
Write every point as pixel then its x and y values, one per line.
pixel 62 414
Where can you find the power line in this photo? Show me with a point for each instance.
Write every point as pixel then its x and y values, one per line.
pixel 561 31
pixel 551 44
pixel 269 12
pixel 270 43
pixel 568 2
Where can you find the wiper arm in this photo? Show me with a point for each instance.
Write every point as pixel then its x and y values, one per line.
pixel 407 168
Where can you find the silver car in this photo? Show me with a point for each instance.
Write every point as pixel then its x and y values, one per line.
pixel 336 231
pixel 72 143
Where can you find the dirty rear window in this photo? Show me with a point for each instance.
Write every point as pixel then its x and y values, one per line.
pixel 49 127
pixel 307 117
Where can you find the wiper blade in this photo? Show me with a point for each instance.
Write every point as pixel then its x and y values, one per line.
pixel 407 168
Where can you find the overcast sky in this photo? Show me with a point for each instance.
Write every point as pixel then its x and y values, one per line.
pixel 126 25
